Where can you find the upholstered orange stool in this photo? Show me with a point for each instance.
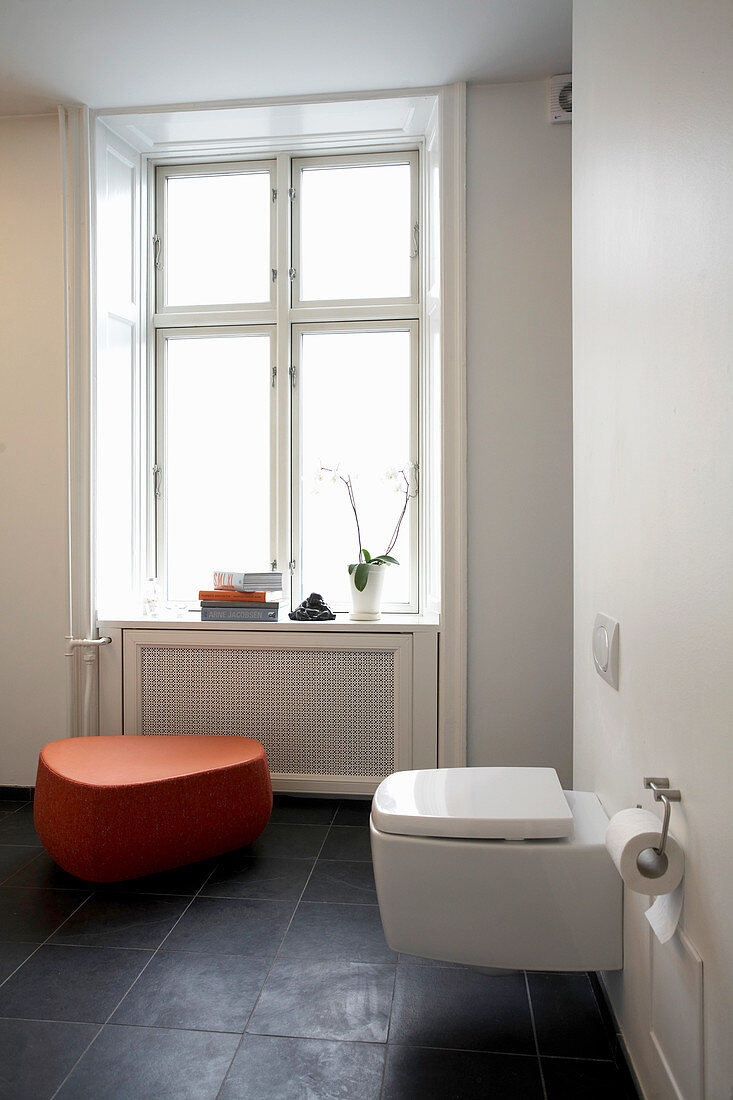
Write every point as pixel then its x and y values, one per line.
pixel 114 808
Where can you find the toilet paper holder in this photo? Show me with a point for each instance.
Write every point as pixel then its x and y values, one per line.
pixel 653 862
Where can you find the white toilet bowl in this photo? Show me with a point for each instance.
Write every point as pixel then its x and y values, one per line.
pixel 496 867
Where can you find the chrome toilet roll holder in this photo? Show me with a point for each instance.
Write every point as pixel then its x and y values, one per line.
pixel 653 862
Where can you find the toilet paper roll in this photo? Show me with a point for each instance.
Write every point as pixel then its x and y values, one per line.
pixel 628 834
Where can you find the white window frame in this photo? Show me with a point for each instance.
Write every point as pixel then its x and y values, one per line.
pixel 163 335
pixel 302 164
pixel 283 316
pixel 204 311
pixel 412 519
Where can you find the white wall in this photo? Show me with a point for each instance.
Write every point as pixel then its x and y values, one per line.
pixel 33 585
pixel 519 430
pixel 653 381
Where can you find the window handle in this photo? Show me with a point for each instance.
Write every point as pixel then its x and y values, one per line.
pixel 157 479
pixel 415 241
pixel 156 252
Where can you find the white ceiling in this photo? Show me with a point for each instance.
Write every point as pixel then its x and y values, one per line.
pixel 132 53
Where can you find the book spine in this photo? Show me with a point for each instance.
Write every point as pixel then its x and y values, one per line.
pixel 223 594
pixel 238 615
pixel 242 605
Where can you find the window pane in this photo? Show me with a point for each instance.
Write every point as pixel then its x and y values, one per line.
pixel 216 473
pixel 355 411
pixel 355 232
pixel 217 239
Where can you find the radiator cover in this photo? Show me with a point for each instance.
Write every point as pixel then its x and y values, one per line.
pixel 335 708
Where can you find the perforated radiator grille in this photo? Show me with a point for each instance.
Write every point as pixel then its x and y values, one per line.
pixel 325 712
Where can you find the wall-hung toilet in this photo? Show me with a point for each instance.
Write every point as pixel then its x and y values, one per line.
pixel 496 867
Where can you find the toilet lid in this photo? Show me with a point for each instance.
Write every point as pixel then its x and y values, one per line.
pixel 493 803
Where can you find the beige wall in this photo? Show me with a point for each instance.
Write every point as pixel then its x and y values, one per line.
pixel 653 382
pixel 519 430
pixel 33 586
pixel 519 435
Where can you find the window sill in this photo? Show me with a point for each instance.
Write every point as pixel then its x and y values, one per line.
pixel 388 624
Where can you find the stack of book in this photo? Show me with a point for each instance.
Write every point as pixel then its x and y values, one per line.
pixel 243 597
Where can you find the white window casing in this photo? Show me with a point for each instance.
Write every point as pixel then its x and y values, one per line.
pixel 439 138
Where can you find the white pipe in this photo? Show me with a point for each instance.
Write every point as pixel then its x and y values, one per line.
pixel 90 647
pixel 70 693
pixel 67 332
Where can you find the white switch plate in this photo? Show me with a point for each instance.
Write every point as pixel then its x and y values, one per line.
pixel 605 649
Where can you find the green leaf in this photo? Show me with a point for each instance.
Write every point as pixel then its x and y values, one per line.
pixel 388 560
pixel 367 555
pixel 361 576
pixel 351 569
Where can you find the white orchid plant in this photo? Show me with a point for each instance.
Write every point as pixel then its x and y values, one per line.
pixel 404 480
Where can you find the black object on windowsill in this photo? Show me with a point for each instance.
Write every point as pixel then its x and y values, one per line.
pixel 313 610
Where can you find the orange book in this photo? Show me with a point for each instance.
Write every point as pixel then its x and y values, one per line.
pixel 226 595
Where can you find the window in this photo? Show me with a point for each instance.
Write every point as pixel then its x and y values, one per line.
pixel 286 314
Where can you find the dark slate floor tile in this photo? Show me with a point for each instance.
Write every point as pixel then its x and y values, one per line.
pixel 18 828
pixel 32 915
pixel 8 806
pixel 332 931
pixel 347 844
pixel 122 920
pixel 71 983
pixel 16 794
pixel 36 1055
pixel 271 1068
pixel 184 881
pixel 414 1072
pixel 325 1000
pixel 40 872
pixel 288 842
pixel 201 992
pixel 225 926
pixel 12 955
pixel 344 881
pixel 418 960
pixel 129 1063
pixel 303 811
pixel 575 1079
pixel 566 1017
pixel 13 857
pixel 265 878
pixel 354 811
pixel 461 1010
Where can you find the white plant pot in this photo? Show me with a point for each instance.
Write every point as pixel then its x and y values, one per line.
pixel 366 606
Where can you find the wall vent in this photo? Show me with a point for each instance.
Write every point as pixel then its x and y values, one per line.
pixel 561 98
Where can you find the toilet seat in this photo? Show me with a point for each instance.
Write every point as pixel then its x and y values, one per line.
pixel 478 803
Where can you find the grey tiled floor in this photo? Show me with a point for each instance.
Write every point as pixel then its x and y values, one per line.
pixel 265 974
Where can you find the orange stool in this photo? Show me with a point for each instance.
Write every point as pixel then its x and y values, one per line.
pixel 114 808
